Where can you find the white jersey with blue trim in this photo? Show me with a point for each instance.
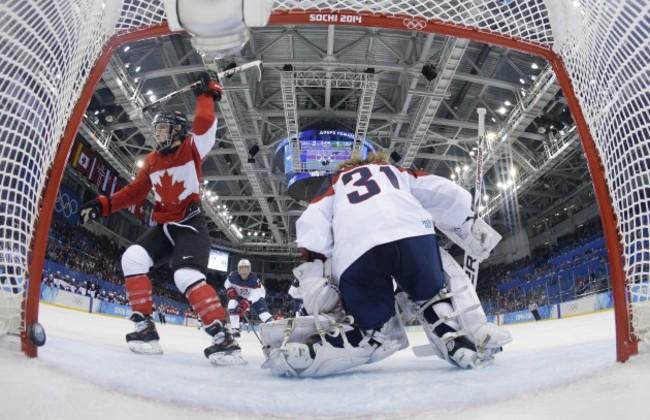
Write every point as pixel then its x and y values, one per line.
pixel 378 203
pixel 244 288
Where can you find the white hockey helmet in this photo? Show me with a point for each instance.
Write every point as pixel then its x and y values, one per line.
pixel 244 268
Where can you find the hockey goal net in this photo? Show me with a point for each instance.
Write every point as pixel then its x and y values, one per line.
pixel 54 51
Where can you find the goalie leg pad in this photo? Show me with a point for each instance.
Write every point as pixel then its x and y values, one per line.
pixel 295 360
pixel 294 347
pixel 486 336
pixel 291 330
pixel 320 295
pixel 463 295
pixel 394 330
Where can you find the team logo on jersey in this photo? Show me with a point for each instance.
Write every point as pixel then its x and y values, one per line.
pixel 175 184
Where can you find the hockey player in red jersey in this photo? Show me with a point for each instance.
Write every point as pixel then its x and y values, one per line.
pixel 173 172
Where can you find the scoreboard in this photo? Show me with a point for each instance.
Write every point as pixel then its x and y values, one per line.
pixel 321 153
pixel 321 150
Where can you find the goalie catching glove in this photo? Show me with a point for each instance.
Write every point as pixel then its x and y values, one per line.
pixel 474 236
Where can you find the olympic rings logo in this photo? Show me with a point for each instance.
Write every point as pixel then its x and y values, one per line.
pixel 66 205
pixel 414 24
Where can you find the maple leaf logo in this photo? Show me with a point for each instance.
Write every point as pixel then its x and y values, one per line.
pixel 168 190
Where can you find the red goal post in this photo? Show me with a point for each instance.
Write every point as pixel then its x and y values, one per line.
pixel 55 51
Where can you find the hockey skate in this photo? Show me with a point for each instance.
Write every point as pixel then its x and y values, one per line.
pixel 236 333
pixel 224 351
pixel 448 339
pixel 490 339
pixel 462 353
pixel 145 339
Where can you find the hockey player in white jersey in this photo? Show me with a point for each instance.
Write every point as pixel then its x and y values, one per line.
pixel 374 223
pixel 244 290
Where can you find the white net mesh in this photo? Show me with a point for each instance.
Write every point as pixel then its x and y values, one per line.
pixel 524 20
pixel 47 49
pixel 606 53
pixel 49 46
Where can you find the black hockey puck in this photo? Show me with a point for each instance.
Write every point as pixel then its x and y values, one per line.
pixel 36 334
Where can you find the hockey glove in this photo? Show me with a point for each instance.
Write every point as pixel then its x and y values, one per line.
pixel 243 306
pixel 94 209
pixel 231 293
pixel 210 85
pixel 228 67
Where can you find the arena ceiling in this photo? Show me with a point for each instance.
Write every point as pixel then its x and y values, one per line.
pixel 421 110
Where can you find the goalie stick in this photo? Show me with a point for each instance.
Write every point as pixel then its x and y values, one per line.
pixel 225 73
pixel 470 262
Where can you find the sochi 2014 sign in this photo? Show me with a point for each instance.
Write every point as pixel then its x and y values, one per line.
pixel 334 18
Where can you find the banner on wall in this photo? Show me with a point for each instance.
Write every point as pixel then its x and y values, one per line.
pixel 545 312
pixel 92 166
pixel 82 158
pixel 67 205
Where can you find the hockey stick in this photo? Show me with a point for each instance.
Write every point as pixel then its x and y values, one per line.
pixel 470 262
pixel 170 96
pixel 229 72
pixel 226 73
pixel 252 328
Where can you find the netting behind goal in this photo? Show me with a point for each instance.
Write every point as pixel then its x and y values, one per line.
pixel 54 51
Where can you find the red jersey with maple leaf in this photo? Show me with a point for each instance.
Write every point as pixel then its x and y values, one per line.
pixel 174 178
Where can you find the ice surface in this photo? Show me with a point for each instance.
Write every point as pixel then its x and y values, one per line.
pixel 562 369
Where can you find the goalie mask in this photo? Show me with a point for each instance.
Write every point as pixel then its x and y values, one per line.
pixel 169 127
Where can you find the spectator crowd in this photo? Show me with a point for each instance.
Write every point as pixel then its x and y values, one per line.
pixel 547 276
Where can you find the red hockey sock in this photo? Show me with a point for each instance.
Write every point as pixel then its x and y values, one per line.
pixel 206 303
pixel 138 290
